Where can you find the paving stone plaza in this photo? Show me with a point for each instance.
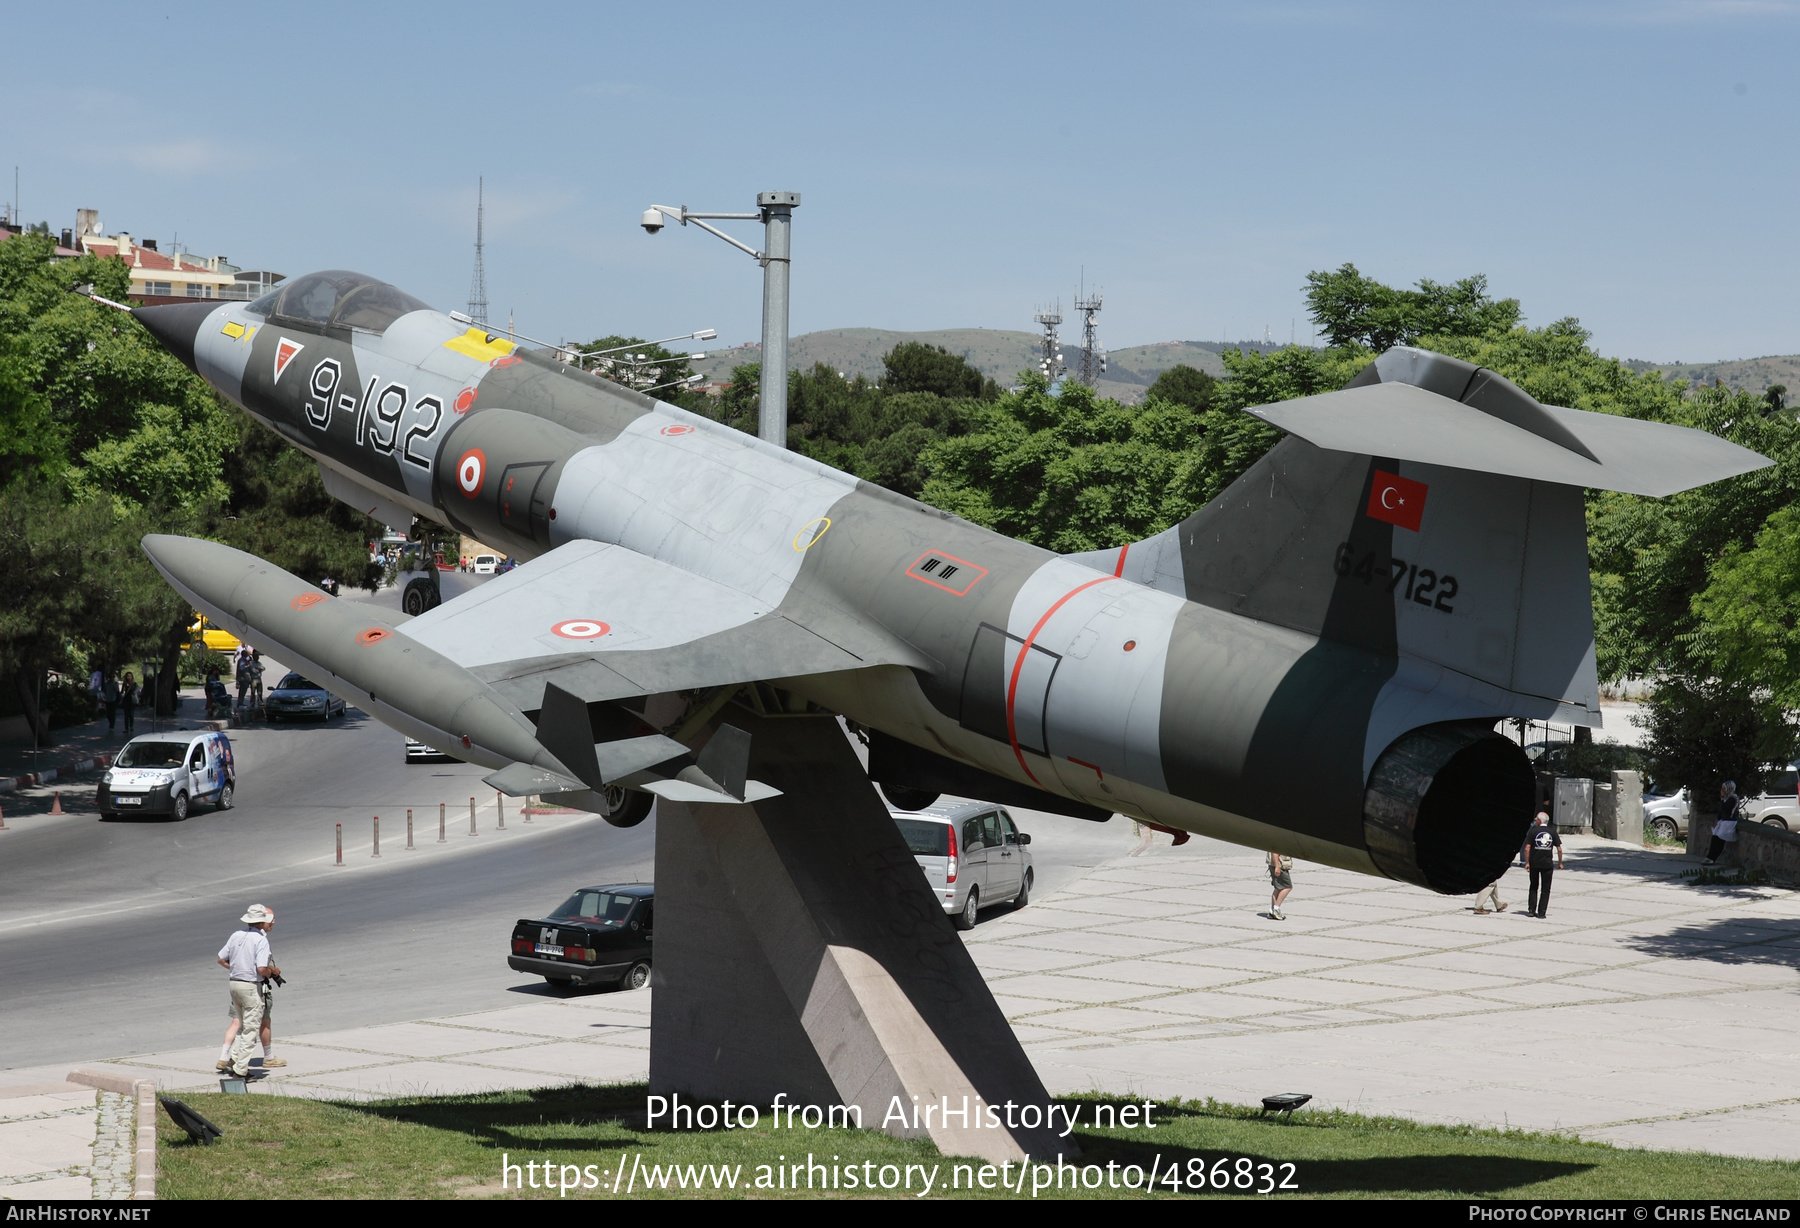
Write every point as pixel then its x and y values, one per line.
pixel 1669 1008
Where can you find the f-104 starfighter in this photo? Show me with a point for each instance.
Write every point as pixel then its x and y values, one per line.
pixel 1314 662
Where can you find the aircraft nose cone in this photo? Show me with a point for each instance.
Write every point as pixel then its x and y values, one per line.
pixel 176 325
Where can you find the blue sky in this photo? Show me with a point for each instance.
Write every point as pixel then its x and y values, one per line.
pixel 1629 164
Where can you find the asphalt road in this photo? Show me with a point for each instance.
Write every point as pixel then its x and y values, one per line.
pixel 108 929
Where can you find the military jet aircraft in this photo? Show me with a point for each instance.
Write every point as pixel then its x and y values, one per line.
pixel 1313 662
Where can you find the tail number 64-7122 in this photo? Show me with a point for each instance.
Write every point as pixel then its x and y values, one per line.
pixel 1423 585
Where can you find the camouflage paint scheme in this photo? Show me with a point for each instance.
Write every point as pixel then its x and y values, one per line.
pixel 1285 669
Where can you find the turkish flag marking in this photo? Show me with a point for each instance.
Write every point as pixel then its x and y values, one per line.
pixel 1397 500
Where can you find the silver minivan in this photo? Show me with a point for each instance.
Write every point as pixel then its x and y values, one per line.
pixel 972 853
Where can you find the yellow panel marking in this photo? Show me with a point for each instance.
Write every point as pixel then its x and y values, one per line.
pixel 811 532
pixel 233 329
pixel 483 347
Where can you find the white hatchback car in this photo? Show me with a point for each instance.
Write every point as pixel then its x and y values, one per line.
pixel 972 854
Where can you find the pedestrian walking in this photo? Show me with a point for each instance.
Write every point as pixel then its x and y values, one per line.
pixel 247 959
pixel 97 683
pixel 1724 829
pixel 1489 893
pixel 1281 881
pixel 1544 850
pixel 109 697
pixel 128 697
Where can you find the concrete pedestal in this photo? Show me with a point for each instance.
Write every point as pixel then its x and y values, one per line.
pixel 801 953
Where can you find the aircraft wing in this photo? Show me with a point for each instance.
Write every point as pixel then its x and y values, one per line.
pixel 605 622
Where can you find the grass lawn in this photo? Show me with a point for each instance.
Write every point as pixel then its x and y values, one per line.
pixel 451 1147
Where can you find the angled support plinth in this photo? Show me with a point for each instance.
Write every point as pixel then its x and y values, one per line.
pixel 801 954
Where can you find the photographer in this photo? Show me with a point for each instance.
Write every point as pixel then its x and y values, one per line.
pixel 246 957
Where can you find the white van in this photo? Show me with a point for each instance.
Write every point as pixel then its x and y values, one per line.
pixel 485 564
pixel 972 855
pixel 166 773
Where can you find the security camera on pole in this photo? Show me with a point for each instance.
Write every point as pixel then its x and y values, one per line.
pixel 775 210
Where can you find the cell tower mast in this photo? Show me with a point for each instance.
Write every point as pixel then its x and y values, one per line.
pixel 1051 364
pixel 1093 358
pixel 478 284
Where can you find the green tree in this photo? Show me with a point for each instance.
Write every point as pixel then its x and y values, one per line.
pixel 637 364
pixel 107 437
pixel 81 594
pixel 1353 310
pixel 1701 733
pixel 1069 472
pixel 914 366
pixel 1184 385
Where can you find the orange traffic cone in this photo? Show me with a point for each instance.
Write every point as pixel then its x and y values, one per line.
pixel 56 802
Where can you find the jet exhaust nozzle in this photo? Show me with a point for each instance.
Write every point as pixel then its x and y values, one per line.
pixel 1448 807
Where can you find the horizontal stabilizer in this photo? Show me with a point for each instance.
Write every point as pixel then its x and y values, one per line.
pixel 1441 411
pixel 628 755
pixel 524 779
pixel 688 791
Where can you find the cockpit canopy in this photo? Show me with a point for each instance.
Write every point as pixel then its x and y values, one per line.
pixel 338 298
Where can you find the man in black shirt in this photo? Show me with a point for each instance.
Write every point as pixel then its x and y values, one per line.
pixel 1544 856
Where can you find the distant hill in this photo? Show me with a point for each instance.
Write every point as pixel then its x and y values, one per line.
pixel 996 352
pixel 1003 353
pixel 1748 374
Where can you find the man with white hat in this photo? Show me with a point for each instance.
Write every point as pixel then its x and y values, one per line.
pixel 246 957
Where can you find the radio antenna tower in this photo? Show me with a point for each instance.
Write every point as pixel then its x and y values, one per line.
pixel 478 284
pixel 1051 364
pixel 1093 358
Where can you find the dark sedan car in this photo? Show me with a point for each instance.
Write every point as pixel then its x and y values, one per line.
pixel 599 935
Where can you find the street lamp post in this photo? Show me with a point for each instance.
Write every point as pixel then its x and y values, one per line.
pixel 775 210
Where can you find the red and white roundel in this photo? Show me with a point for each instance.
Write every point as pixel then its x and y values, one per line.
pixel 581 629
pixel 678 430
pixel 464 399
pixel 469 472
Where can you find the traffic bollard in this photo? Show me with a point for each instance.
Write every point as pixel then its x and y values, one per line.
pixel 377 851
pixel 340 843
pixel 2 820
pixel 409 842
pixel 471 816
pixel 526 808
pixel 440 822
pixel 500 808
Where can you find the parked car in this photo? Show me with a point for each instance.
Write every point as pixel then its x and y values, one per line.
pixel 418 752
pixel 166 773
pixel 599 935
pixel 972 854
pixel 1776 806
pixel 214 638
pixel 296 696
pixel 1667 816
pixel 486 564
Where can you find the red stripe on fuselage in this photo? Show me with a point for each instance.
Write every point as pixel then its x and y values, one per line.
pixel 1012 687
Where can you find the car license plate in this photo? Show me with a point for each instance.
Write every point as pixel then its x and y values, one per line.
pixel 128 801
pixel 544 948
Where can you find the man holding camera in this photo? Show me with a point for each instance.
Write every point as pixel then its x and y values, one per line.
pixel 246 957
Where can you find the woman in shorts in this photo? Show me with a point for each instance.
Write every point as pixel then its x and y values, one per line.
pixel 1281 881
